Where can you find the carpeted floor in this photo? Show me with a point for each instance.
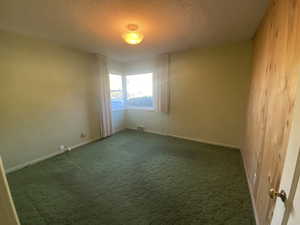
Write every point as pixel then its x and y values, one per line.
pixel 135 178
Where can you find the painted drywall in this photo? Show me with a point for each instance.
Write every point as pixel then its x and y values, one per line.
pixel 168 25
pixel 208 88
pixel 118 120
pixel 48 96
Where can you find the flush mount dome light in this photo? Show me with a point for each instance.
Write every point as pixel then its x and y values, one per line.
pixel 132 36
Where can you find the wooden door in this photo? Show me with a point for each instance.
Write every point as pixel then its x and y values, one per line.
pixel 288 213
pixel 271 104
pixel 8 215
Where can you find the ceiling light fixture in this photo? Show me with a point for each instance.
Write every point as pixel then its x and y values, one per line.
pixel 132 36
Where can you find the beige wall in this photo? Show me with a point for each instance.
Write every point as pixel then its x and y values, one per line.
pixel 118 120
pixel 209 89
pixel 48 96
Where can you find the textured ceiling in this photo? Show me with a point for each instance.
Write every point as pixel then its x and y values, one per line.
pixel 168 25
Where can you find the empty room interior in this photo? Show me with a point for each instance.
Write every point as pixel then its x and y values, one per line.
pixel 149 112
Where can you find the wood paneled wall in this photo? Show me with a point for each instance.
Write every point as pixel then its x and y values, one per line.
pixel 276 71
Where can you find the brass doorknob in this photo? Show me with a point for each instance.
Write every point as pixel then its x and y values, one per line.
pixel 274 194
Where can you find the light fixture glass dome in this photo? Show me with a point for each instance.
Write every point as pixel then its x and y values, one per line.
pixel 132 36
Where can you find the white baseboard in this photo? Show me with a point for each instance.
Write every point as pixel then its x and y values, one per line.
pixel 250 190
pixel 15 168
pixel 85 143
pixel 21 166
pixel 190 139
pixel 18 167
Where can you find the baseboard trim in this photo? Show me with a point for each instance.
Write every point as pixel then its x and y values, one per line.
pixel 85 143
pixel 23 165
pixel 117 130
pixel 250 190
pixel 32 162
pixel 191 139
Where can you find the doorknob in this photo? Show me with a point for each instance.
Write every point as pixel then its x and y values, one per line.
pixel 274 194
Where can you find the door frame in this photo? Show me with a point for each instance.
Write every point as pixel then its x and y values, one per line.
pixel 7 207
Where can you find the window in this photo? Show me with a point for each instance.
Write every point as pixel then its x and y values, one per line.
pixel 116 92
pixel 131 91
pixel 139 91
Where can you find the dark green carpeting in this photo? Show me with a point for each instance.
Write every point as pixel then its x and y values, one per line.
pixel 135 178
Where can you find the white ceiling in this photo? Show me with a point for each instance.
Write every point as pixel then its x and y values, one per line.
pixel 168 25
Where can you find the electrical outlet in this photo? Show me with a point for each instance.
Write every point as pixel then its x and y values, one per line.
pixel 64 148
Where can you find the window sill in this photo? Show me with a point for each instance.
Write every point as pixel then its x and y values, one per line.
pixel 141 108
pixel 134 108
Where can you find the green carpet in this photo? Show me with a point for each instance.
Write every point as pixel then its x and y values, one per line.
pixel 135 178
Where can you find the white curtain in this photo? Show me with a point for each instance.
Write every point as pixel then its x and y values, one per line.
pixel 161 83
pixel 105 103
